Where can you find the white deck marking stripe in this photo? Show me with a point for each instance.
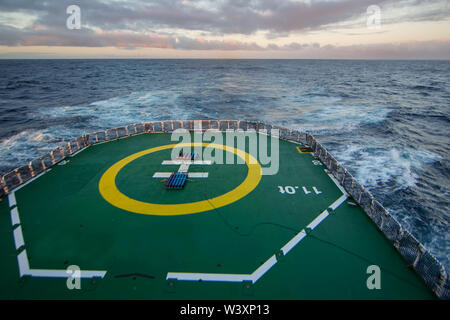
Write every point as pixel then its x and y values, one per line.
pixel 224 277
pixel 184 167
pixel 24 267
pixel 339 201
pixel 63 274
pixel 18 237
pixel 162 174
pixel 258 273
pixel 12 199
pixel 186 276
pixel 198 175
pixel 22 258
pixel 179 162
pixel 49 273
pixel 318 220
pixel 293 242
pixel 15 216
pixel 190 174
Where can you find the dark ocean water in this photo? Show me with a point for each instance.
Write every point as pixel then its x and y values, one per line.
pixel 388 122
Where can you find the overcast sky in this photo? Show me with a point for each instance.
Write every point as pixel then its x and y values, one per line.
pixel 330 29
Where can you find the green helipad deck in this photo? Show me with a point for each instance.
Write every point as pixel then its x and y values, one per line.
pixel 230 233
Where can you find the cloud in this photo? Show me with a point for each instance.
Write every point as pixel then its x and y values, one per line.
pixel 122 39
pixel 169 24
pixel 411 50
pixel 184 43
pixel 83 38
pixel 226 17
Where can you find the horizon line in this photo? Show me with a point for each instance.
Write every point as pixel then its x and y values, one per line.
pixel 187 58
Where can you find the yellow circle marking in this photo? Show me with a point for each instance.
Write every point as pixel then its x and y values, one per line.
pixel 110 193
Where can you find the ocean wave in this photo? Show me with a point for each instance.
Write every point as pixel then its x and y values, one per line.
pixel 423 87
pixel 338 117
pixel 27 145
pixel 123 110
pixel 22 147
pixel 377 166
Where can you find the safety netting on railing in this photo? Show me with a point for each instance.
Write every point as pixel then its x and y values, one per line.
pixel 425 264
